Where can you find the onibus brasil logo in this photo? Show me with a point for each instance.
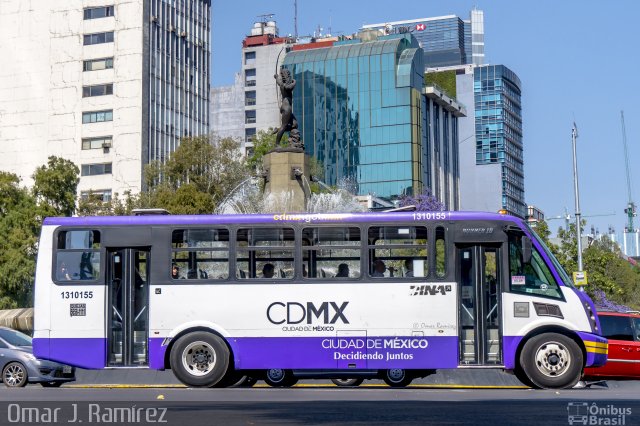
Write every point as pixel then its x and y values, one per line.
pixel 593 414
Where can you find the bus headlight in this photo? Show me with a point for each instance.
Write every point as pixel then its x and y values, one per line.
pixel 592 318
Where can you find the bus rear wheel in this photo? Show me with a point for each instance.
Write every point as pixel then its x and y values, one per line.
pixel 552 361
pixel 200 359
pixel 347 383
pixel 280 378
pixel 397 377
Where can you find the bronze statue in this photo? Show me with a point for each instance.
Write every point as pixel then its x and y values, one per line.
pixel 288 122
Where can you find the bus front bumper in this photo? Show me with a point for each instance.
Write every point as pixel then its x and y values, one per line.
pixel 597 348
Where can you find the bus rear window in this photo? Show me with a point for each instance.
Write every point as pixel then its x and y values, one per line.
pixel 78 255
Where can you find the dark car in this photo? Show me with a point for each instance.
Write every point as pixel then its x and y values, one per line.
pixel 623 361
pixel 19 366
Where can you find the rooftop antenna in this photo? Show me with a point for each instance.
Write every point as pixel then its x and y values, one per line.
pixel 295 19
pixel 266 17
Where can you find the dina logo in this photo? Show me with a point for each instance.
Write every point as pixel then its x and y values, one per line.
pixel 428 290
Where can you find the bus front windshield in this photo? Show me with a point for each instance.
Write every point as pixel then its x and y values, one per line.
pixel 563 274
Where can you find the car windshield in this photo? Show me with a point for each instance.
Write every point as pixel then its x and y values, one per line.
pixel 15 338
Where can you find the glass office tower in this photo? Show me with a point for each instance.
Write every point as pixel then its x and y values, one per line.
pixel 359 107
pixel 445 40
pixel 498 122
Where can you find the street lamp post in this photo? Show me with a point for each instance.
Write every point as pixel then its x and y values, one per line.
pixel 574 136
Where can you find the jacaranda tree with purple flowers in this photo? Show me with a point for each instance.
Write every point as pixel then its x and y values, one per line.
pixel 425 202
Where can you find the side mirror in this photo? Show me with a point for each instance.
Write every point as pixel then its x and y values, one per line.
pixel 526 249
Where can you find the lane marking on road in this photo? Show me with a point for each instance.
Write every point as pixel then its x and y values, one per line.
pixel 302 385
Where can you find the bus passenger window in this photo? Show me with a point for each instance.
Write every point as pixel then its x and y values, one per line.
pixel 265 253
pixel 200 254
pixel 331 252
pixel 398 252
pixel 78 256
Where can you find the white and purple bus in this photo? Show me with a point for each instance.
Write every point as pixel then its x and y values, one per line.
pixel 399 293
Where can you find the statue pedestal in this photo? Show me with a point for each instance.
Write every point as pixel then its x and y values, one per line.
pixel 287 172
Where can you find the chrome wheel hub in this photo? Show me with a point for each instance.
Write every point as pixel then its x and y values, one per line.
pixel 553 359
pixel 199 358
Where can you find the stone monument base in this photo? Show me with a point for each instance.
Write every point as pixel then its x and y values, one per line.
pixel 286 170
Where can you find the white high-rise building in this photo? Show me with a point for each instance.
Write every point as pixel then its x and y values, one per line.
pixel 108 84
pixel 263 51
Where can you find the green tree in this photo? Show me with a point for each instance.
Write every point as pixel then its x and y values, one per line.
pixel 93 205
pixel 197 176
pixel 543 231
pixel 55 186
pixel 263 142
pixel 608 272
pixel 19 227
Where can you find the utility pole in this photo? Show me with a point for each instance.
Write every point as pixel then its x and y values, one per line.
pixel 630 229
pixel 574 136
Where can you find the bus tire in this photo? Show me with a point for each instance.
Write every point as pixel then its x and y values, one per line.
pixel 230 379
pixel 200 359
pixel 247 382
pixel 280 378
pixel 552 361
pixel 347 383
pixel 397 377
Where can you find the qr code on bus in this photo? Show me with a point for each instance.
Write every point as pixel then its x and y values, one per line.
pixel 78 309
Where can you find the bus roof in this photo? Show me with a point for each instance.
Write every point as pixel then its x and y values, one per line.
pixel 277 218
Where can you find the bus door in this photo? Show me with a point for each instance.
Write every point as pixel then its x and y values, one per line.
pixel 480 328
pixel 128 307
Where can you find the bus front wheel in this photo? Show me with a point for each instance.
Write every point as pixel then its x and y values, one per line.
pixel 200 359
pixel 397 377
pixel 552 361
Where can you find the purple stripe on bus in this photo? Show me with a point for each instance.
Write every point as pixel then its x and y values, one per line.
pixel 289 218
pixel 79 352
pixel 156 353
pixel 345 351
pixel 509 351
pixel 283 352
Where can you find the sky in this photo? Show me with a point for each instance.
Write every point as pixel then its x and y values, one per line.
pixel 578 60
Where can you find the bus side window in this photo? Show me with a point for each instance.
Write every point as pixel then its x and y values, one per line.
pixel 265 253
pixel 78 255
pixel 441 253
pixel 333 252
pixel 398 252
pixel 200 254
